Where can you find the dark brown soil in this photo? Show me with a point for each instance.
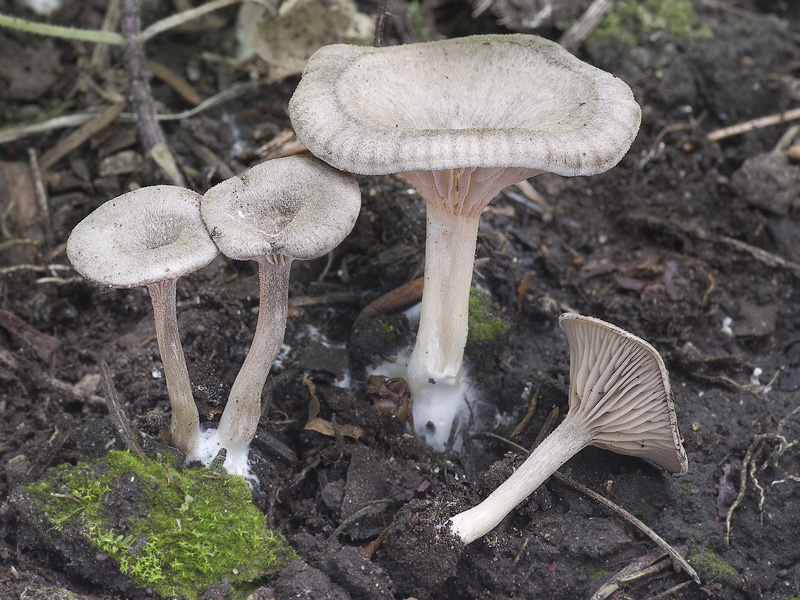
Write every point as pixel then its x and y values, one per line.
pixel 691 244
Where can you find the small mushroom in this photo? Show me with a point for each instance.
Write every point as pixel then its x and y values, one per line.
pixel 460 120
pixel 150 237
pixel 620 399
pixel 289 208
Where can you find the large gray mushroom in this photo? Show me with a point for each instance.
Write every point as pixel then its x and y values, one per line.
pixel 284 209
pixel 460 120
pixel 150 237
pixel 620 399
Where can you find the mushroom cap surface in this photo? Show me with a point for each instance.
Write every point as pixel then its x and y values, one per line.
pixel 619 387
pixel 141 237
pixel 296 206
pixel 480 101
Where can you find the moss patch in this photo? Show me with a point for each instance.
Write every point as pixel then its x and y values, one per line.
pixel 484 323
pixel 710 565
pixel 174 531
pixel 633 19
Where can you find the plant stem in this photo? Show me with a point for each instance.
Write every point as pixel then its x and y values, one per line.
pixel 68 33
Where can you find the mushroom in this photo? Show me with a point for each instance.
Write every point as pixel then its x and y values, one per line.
pixel 150 237
pixel 289 208
pixel 460 120
pixel 620 399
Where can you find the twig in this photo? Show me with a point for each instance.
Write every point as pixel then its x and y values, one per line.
pixel 184 17
pixel 370 508
pixel 526 420
pixel 740 128
pixel 141 96
pixel 763 256
pixel 35 268
pixel 380 21
pixel 632 519
pixel 69 33
pixel 116 412
pixel 585 25
pixel 41 194
pixel 97 123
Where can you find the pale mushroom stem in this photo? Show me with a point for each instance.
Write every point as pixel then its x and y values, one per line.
pixel 454 200
pixel 568 439
pixel 239 421
pixel 184 426
pixel 442 335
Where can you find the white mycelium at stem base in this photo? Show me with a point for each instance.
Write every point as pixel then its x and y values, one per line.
pixel 459 119
pixel 239 421
pixel 454 200
pixel 620 399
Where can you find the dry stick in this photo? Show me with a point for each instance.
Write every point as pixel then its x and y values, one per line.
pixel 10 134
pixel 80 135
pixel 41 195
pixel 142 98
pixel 184 17
pixel 739 128
pixel 116 411
pixel 763 256
pixel 99 60
pixel 625 514
pixel 613 507
pixel 380 21
pixel 585 25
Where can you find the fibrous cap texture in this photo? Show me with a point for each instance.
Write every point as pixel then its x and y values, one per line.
pixel 141 237
pixel 480 101
pixel 619 388
pixel 297 206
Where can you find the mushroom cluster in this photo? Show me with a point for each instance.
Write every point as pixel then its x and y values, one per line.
pixel 460 120
pixel 285 209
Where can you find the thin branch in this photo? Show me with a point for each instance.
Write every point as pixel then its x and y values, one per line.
pixel 68 33
pixel 184 17
pixel 740 128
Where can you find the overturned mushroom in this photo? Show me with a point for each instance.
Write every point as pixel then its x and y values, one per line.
pixel 620 399
pixel 150 237
pixel 284 209
pixel 460 120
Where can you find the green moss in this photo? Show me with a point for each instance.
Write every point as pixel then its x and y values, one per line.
pixel 179 530
pixel 631 20
pixel 599 574
pixel 484 324
pixel 710 565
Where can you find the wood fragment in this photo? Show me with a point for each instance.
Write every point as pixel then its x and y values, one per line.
pixel 761 122
pixel 631 519
pixel 585 25
pixel 526 420
pixel 401 298
pixel 769 259
pixel 19 214
pixel 99 60
pixel 42 344
pixel 117 412
pixel 642 563
pixel 174 80
pixel 41 195
pixel 80 135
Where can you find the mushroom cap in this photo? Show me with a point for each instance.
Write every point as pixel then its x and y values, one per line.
pixel 297 206
pixel 619 387
pixel 141 237
pixel 480 101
